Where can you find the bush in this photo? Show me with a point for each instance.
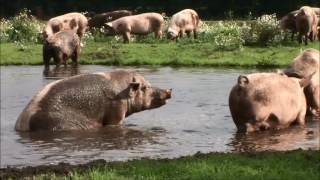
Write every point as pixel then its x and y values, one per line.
pixel 225 36
pixel 264 31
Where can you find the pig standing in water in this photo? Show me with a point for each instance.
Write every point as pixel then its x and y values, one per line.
pixel 141 24
pixel 306 23
pixel 304 65
pixel 61 46
pixel 75 22
pixel 182 22
pixel 262 101
pixel 90 101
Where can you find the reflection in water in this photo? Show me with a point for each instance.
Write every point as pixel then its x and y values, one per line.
pixel 281 140
pixel 61 72
pixel 113 137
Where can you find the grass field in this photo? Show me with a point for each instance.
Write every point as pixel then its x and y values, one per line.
pixel 163 54
pixel 299 164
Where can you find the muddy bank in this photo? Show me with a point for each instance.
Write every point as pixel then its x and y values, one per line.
pixel 67 170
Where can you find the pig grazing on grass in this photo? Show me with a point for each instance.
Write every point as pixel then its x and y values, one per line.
pixel 262 101
pixel 75 22
pixel 288 23
pixel 100 20
pixel 90 101
pixel 61 46
pixel 141 24
pixel 306 23
pixel 185 21
pixel 303 66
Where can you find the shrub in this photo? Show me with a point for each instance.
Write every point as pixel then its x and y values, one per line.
pixel 264 30
pixel 225 36
pixel 21 29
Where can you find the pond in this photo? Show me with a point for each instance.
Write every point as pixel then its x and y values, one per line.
pixel 197 118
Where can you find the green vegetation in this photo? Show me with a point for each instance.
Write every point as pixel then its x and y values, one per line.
pixel 264 165
pixel 163 54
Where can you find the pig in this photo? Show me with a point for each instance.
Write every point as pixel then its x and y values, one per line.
pixel 75 22
pixel 90 101
pixel 288 23
pixel 61 46
pixel 100 20
pixel 141 24
pixel 185 21
pixel 306 23
pixel 305 64
pixel 262 101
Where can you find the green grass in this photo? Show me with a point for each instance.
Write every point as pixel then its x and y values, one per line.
pixel 185 53
pixel 266 165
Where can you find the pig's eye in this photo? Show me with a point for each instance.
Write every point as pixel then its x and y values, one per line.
pixel 144 88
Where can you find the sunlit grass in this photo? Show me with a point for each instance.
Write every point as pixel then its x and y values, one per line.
pixel 163 54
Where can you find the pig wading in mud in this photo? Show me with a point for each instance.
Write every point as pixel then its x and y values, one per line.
pixel 75 22
pixel 141 24
pixel 306 23
pixel 61 46
pixel 99 20
pixel 303 66
pixel 263 101
pixel 185 21
pixel 90 101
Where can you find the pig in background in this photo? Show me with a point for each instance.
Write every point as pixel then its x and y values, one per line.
pixel 185 21
pixel 141 24
pixel 306 23
pixel 75 22
pixel 100 20
pixel 90 101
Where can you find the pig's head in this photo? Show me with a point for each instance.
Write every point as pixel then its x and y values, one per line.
pixel 143 96
pixel 172 34
pixel 109 29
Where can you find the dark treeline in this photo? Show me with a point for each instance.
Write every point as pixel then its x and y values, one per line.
pixel 207 9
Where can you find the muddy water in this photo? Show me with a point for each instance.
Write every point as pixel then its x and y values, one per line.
pixel 196 119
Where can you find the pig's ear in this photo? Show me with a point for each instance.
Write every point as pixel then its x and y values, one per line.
pixel 109 24
pixel 243 80
pixel 306 81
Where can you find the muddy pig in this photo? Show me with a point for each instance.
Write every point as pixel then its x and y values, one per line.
pixel 61 46
pixel 90 101
pixel 141 24
pixel 306 23
pixel 185 21
pixel 305 64
pixel 100 20
pixel 75 22
pixel 263 101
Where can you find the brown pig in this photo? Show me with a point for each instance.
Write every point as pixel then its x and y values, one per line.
pixel 185 21
pixel 306 23
pixel 99 20
pixel 61 46
pixel 263 101
pixel 75 22
pixel 141 24
pixel 90 101
pixel 305 64
pixel 288 23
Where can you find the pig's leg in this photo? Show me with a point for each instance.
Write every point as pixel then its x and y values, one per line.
pixel 188 33
pixel 75 56
pixel 195 34
pixel 126 37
